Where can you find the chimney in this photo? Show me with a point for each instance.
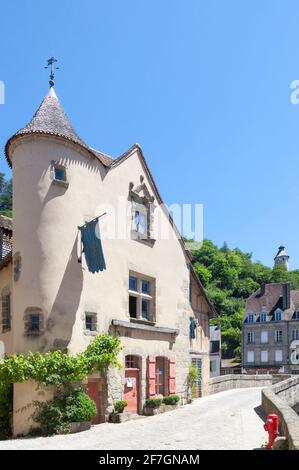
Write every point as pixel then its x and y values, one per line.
pixel 263 289
pixel 286 296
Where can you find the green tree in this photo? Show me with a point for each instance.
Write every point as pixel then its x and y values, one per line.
pixel 203 273
pixel 5 196
pixel 279 274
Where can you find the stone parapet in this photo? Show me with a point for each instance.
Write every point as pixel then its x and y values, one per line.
pixel 282 399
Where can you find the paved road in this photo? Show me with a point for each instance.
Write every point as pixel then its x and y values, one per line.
pixel 227 420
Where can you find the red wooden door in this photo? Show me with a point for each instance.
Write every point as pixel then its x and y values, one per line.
pixel 93 393
pixel 131 393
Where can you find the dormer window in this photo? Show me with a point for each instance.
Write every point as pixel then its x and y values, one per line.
pixel 142 212
pixel 277 315
pixel 250 318
pixel 140 221
pixel 263 317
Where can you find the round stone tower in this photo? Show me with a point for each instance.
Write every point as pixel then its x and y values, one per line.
pixel 52 169
pixel 282 258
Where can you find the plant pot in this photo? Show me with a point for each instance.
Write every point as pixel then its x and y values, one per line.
pixel 79 426
pixel 119 417
pixel 150 411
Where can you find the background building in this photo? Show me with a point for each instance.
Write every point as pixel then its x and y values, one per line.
pixel 270 330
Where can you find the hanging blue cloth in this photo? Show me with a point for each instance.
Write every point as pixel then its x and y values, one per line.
pixel 92 246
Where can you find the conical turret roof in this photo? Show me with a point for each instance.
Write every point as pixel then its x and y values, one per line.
pixel 51 119
pixel 281 252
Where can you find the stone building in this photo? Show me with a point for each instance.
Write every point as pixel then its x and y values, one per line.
pixel 282 258
pixel 271 330
pixel 146 291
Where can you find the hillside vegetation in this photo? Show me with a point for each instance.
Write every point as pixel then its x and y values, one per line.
pixel 5 196
pixel 230 276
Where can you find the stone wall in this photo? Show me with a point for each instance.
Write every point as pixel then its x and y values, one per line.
pixel 227 382
pixel 282 399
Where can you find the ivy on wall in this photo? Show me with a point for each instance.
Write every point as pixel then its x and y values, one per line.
pixel 53 368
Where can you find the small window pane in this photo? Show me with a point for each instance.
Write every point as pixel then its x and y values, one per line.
pixel 250 356
pixel 264 337
pixel 34 323
pixel 145 309
pixel 145 286
pixel 89 322
pixel 278 356
pixel 264 356
pixel 133 306
pixel 60 174
pixel 140 222
pixel 132 283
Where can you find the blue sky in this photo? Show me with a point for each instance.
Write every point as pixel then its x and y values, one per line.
pixel 203 86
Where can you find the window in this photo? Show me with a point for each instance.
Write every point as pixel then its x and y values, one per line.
pixel 132 362
pixel 296 315
pixel 213 366
pixel 251 318
pixel 34 324
pixel 263 317
pixel 295 334
pixel 145 309
pixel 160 376
pixel 140 221
pixel 58 173
pixel 90 321
pixel 133 306
pixel 264 336
pixel 145 287
pixel 250 356
pixel 250 337
pixel 6 310
pixel 142 211
pixel 264 356
pixel 132 283
pixel 278 355
pixel 277 315
pixel 278 336
pixel 141 297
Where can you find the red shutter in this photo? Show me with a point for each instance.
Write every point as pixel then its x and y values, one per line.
pixel 151 376
pixel 171 367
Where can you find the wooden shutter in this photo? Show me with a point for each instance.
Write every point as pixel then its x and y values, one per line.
pixel 171 368
pixel 151 376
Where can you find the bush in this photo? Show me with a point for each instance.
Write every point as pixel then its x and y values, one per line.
pixel 171 400
pixel 51 418
pixel 193 376
pixel 153 402
pixel 79 407
pixel 120 405
pixel 68 406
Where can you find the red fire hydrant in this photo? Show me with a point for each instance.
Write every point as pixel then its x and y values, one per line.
pixel 271 426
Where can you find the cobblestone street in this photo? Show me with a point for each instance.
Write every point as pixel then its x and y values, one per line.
pixel 227 420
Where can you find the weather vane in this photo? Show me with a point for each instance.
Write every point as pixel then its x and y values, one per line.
pixel 51 63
